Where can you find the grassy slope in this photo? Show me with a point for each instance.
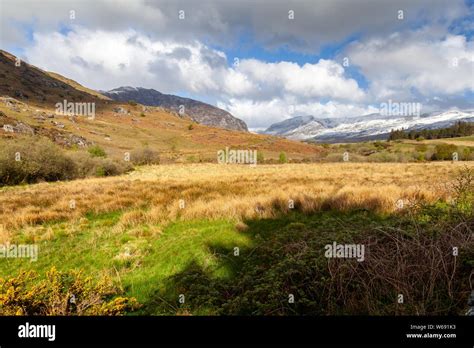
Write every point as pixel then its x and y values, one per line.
pixel 164 132
pixel 77 85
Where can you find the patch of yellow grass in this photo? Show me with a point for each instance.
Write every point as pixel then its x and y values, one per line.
pixel 151 194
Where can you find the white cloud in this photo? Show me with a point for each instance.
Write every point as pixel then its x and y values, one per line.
pixel 107 48
pixel 322 79
pixel 105 60
pixel 432 65
pixel 260 114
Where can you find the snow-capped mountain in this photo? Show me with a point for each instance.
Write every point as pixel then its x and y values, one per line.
pixel 367 127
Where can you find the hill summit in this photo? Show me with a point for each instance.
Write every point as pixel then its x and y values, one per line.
pixel 198 111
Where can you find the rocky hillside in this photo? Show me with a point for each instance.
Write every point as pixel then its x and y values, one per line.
pixel 200 112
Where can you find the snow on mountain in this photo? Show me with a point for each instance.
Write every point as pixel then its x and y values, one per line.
pixel 373 126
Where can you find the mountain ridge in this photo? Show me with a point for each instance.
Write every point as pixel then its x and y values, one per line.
pixel 198 111
pixel 361 128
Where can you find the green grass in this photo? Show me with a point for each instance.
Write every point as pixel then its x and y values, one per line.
pixel 395 151
pixel 94 246
pixel 196 258
pixel 155 260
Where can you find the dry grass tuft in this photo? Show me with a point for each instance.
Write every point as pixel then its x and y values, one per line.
pixel 212 191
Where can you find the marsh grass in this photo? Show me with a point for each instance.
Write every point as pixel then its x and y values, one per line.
pixel 132 230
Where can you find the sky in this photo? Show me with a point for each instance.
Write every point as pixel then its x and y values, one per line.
pixel 263 61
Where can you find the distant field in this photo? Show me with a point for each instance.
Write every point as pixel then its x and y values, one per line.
pixel 466 141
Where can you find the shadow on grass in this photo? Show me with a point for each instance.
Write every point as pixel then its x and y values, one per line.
pixel 285 259
pixel 284 270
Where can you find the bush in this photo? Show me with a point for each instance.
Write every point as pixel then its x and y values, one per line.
pixel 191 127
pixel 282 158
pixel 381 145
pixel 41 160
pixel 86 165
pixel 29 160
pixel 132 102
pixel 444 152
pixel 260 157
pixel 97 151
pixel 145 156
pixel 61 293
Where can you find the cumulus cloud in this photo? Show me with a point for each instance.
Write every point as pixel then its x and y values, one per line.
pixel 408 62
pixel 113 43
pixel 322 79
pixel 105 60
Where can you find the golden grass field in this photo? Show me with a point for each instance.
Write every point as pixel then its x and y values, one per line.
pixel 151 194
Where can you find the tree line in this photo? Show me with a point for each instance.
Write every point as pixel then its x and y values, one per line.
pixel 459 129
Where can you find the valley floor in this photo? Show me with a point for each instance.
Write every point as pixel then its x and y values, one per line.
pixel 200 230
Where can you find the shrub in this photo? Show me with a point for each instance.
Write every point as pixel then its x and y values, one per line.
pixel 61 293
pixel 41 160
pixel 108 167
pixel 282 158
pixel 97 151
pixel 145 156
pixel 191 127
pixel 132 102
pixel 381 145
pixel 86 165
pixel 444 152
pixel 29 160
pixel 419 156
pixel 260 157
pixel 466 153
pixel 365 151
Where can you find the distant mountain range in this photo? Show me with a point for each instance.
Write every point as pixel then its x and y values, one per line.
pixel 198 111
pixel 368 127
